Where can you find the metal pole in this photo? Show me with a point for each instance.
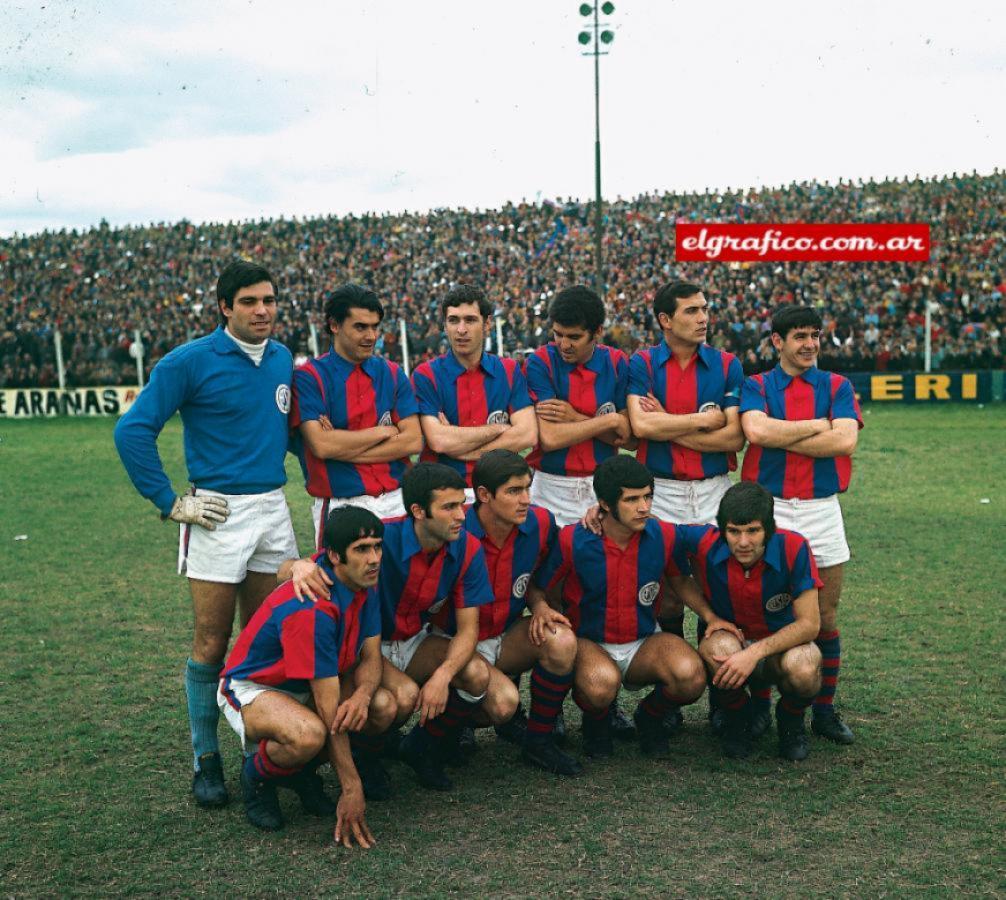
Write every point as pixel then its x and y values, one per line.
pixel 404 340
pixel 138 343
pixel 499 336
pixel 313 340
pixel 929 337
pixel 60 371
pixel 598 258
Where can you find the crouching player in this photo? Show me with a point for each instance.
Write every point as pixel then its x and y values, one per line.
pixel 611 584
pixel 765 581
pixel 302 675
pixel 431 562
pixel 517 539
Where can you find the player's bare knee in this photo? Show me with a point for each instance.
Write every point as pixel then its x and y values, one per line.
pixel 598 685
pixel 801 670
pixel 303 736
pixel 558 653
pixel 473 677
pixel 383 710
pixel 406 694
pixel 688 675
pixel 501 702
pixel 209 645
pixel 719 643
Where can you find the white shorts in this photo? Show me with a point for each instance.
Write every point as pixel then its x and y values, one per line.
pixel 820 521
pixel 400 653
pixel 567 497
pixel 257 537
pixel 246 692
pixel 384 506
pixel 623 655
pixel 689 502
pixel 489 649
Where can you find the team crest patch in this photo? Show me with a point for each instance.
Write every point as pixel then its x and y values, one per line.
pixel 778 602
pixel 433 610
pixel 283 398
pixel 648 593
pixel 706 407
pixel 386 418
pixel 520 585
pixel 498 417
pixel 604 409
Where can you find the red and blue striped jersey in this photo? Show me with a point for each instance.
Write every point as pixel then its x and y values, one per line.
pixel 289 642
pixel 612 595
pixel 711 378
pixel 488 394
pixel 415 585
pixel 354 397
pixel 510 569
pixel 595 388
pixel 812 395
pixel 758 600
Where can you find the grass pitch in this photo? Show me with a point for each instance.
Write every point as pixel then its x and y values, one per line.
pixel 94 781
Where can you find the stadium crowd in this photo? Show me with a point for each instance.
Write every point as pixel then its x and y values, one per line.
pixel 97 286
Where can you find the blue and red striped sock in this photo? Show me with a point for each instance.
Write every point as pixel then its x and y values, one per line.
pixel 456 714
pixel 831 650
pixel 372 744
pixel 260 767
pixel 792 707
pixel 732 701
pixel 548 691
pixel 589 711
pixel 761 697
pixel 659 702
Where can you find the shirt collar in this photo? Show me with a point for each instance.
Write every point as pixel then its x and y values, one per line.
pixel 341 364
pixel 783 378
pixel 660 354
pixel 473 524
pixel 224 343
pixel 456 370
pixel 411 545
pixel 773 552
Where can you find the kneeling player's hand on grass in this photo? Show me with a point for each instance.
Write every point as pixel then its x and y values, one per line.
pixel 718 624
pixel 432 699
pixel 545 621
pixel 351 714
pixel 205 510
pixel 350 825
pixel 735 669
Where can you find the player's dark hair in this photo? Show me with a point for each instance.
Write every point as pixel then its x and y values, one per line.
pixel 467 293
pixel 348 524
pixel 236 275
pixel 786 318
pixel 667 297
pixel 577 306
pixel 419 483
pixel 744 503
pixel 619 472
pixel 351 296
pixel 496 468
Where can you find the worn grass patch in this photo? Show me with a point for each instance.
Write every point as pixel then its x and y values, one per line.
pixel 94 781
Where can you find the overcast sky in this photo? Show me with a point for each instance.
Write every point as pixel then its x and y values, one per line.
pixel 138 112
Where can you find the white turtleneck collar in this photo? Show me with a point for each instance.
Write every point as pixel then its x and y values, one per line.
pixel 254 351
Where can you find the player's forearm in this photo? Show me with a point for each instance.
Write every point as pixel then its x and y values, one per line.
pixel 728 439
pixel 342 444
pixel 456 440
pixel 764 431
pixel 340 755
pixel 516 438
pixel 368 670
pixel 786 638
pixel 558 435
pixel 662 426
pixel 691 595
pixel 136 443
pixel 825 445
pixel 393 448
pixel 460 649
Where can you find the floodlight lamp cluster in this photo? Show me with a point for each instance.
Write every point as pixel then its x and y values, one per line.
pixel 606 36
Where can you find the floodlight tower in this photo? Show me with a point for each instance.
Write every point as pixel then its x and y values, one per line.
pixel 600 36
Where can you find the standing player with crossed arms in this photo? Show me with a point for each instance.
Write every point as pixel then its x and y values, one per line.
pixel 803 425
pixel 356 414
pixel 232 389
pixel 471 401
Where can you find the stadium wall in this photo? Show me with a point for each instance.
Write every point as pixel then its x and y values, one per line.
pixel 877 387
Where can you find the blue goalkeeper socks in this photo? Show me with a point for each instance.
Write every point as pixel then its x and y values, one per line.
pixel 201 682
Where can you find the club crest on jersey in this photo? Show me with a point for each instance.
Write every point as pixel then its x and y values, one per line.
pixel 283 398
pixel 386 419
pixel 648 593
pixel 520 585
pixel 498 417
pixel 778 602
pixel 707 407
pixel 604 409
pixel 436 607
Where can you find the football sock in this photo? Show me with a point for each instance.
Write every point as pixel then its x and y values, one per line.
pixel 732 701
pixel 659 702
pixel 261 768
pixel 370 744
pixel 201 680
pixel 673 624
pixel 831 650
pixel 548 691
pixel 589 711
pixel 762 697
pixel 791 707
pixel 454 716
